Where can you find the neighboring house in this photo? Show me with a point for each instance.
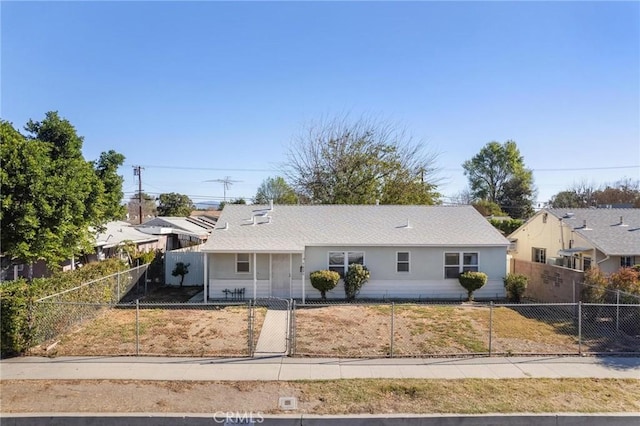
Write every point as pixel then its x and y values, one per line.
pixel 412 252
pixel 580 238
pixel 180 231
pixel 118 233
pixel 107 244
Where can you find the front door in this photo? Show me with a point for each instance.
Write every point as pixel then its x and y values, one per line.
pixel 280 270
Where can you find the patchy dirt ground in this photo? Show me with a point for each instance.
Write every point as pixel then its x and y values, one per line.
pixel 175 331
pixel 323 397
pixel 353 331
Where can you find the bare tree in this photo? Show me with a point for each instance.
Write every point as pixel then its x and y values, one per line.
pixel 340 161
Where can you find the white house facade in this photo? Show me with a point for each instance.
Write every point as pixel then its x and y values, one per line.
pixel 414 252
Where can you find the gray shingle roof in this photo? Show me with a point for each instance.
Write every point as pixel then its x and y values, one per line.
pixel 291 228
pixel 604 230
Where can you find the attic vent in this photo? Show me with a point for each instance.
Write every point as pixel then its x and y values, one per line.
pixel 568 215
pixel 226 226
pixel 584 225
pixel 407 225
pixel 622 222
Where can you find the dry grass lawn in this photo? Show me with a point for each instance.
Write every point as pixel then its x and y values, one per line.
pixel 183 331
pixel 363 396
pixel 364 331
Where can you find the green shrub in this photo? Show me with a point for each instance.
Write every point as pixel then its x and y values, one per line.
pixel 18 323
pixel 324 281
pixel 357 276
pixel 516 285
pixel 472 281
pixel 595 288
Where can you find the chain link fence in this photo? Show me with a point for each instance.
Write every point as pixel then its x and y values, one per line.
pixel 92 322
pixel 152 329
pixel 421 330
pixel 587 293
pixel 58 313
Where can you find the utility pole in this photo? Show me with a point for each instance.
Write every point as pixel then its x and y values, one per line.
pixel 137 171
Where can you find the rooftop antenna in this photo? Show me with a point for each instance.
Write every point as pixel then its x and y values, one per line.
pixel 226 183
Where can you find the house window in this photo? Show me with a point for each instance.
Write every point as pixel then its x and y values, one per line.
pixel 339 261
pixel 586 263
pixel 402 261
pixel 242 263
pixel 627 261
pixel 456 263
pixel 539 255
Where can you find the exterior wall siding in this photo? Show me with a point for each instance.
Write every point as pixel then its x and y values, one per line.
pixel 425 279
pixel 196 268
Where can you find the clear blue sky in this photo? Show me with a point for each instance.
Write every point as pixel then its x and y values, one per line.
pixel 195 91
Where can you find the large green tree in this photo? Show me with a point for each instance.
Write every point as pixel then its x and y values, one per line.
pixel 174 204
pixel 358 162
pixel 276 189
pixel 585 195
pixel 51 195
pixel 107 170
pixel 497 174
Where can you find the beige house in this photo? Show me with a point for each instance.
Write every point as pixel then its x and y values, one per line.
pixel 580 238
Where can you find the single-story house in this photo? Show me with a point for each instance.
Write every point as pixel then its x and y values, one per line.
pixel 117 233
pixel 180 232
pixel 411 251
pixel 580 238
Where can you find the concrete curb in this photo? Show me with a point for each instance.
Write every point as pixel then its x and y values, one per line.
pixel 170 419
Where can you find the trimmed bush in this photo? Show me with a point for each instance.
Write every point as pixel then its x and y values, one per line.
pixel 516 285
pixel 357 276
pixel 324 281
pixel 472 281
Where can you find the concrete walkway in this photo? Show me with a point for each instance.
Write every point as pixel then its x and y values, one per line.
pixel 273 335
pixel 283 368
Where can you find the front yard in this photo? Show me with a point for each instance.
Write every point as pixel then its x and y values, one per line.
pixel 164 330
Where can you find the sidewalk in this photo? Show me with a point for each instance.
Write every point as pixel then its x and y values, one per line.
pixel 283 368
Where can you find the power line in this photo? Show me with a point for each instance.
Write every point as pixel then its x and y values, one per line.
pixel 207 168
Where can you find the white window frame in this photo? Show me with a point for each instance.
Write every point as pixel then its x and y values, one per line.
pixel 345 260
pixel 248 262
pixel 461 265
pixel 535 252
pixel 403 262
pixel 627 261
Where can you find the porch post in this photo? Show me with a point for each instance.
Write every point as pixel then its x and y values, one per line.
pixel 255 276
pixel 270 274
pixel 303 274
pixel 206 277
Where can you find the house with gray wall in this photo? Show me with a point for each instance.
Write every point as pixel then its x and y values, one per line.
pixel 412 252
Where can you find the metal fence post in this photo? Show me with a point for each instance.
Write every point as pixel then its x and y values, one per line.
pixel 580 328
pixel 292 329
pixel 137 327
pixel 617 310
pixel 573 291
pixel 250 327
pixel 118 288
pixel 490 325
pixel 393 309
